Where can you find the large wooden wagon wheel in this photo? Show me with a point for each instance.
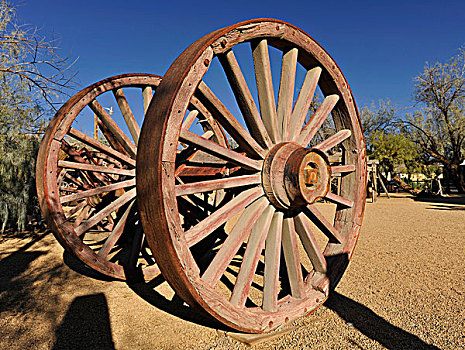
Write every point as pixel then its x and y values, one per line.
pixel 274 246
pixel 86 184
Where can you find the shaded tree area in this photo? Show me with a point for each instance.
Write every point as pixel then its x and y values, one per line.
pixel 32 78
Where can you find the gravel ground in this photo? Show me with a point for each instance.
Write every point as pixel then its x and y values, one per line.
pixel 404 289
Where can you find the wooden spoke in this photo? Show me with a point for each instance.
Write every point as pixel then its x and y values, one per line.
pixel 100 146
pixel 186 124
pixel 147 95
pixel 73 211
pixel 99 157
pixel 339 169
pixel 219 217
pixel 75 181
pixel 68 189
pixel 85 176
pixel 96 218
pixel 196 105
pixel 95 168
pixel 227 120
pixel 304 101
pixel 252 254
pixel 77 158
pixel 244 99
pixel 334 140
pixel 97 191
pixel 323 224
pixel 203 171
pixel 114 128
pixel 81 217
pixel 286 91
pixel 112 141
pixel 116 233
pixel 339 200
pixel 211 185
pixel 219 151
pixel 233 242
pixel 317 120
pixel 127 114
pixel 266 99
pixel 292 258
pixel 198 157
pixel 208 134
pixel 302 226
pixel 272 263
pixel 191 208
pixel 185 158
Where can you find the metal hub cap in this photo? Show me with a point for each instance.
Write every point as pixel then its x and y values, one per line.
pixel 293 175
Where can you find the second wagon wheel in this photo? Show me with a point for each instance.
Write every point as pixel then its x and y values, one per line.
pixel 86 184
pixel 282 235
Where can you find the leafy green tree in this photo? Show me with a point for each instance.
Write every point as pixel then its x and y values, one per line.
pixel 32 77
pixel 438 126
pixel 384 139
pixel 393 150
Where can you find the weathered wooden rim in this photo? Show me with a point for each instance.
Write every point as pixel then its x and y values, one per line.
pixel 157 203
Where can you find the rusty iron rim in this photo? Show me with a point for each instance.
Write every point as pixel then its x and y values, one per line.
pixel 259 194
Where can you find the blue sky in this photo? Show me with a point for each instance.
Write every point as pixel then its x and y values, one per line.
pixel 380 46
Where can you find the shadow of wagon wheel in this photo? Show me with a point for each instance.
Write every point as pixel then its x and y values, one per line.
pixel 374 326
pixel 78 266
pixel 174 305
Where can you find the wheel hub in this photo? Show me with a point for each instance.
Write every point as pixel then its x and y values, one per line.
pixel 293 176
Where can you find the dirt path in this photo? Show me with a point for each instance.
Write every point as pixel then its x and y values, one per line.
pixel 404 289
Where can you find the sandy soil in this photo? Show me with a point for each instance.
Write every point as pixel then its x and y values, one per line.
pixel 404 289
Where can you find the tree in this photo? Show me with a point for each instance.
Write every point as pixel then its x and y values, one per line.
pixel 393 150
pixel 384 139
pixel 438 126
pixel 17 164
pixel 32 77
pixel 29 59
pixel 382 117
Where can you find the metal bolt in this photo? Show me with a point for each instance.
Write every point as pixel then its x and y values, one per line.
pixel 206 62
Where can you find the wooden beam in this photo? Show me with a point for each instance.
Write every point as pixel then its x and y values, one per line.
pixel 127 114
pixel 219 151
pixel 266 99
pixel 251 258
pixel 244 99
pixel 272 263
pixel 304 100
